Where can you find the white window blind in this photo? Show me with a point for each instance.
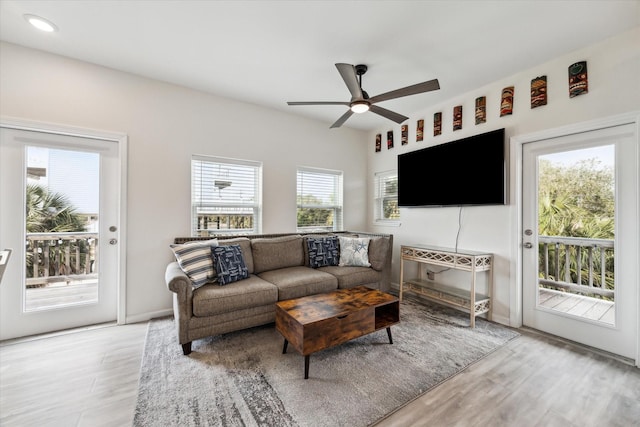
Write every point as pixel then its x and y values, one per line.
pixel 319 199
pixel 386 197
pixel 226 196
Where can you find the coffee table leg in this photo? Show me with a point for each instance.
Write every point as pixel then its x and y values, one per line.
pixel 284 348
pixel 389 334
pixel 306 367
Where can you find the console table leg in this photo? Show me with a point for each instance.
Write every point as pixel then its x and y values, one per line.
pixel 284 348
pixel 306 367
pixel 389 334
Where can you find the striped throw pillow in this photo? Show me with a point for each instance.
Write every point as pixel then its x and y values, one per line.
pixel 194 258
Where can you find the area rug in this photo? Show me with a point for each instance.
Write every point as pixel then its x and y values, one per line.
pixel 243 379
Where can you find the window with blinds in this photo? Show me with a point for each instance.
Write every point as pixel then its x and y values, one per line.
pixel 319 199
pixel 386 197
pixel 226 196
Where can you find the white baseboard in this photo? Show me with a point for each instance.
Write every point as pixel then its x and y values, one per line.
pixel 144 317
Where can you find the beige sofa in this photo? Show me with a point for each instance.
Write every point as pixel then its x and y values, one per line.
pixel 278 269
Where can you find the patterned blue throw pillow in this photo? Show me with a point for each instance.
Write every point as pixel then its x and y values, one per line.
pixel 229 264
pixel 323 251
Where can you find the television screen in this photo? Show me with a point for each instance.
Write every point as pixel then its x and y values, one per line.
pixel 467 172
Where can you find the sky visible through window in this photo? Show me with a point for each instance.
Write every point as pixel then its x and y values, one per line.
pixel 604 153
pixel 76 174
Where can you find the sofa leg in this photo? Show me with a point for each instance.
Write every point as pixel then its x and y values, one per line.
pixel 186 348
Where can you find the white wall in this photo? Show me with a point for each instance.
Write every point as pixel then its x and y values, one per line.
pixel 165 125
pixel 614 88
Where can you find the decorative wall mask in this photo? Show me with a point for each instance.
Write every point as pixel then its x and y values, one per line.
pixel 378 142
pixel 457 117
pixel 420 130
pixel 578 79
pixel 539 91
pixel 437 124
pixel 389 139
pixel 481 110
pixel 506 101
pixel 404 138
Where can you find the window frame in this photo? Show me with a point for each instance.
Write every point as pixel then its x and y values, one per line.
pixel 337 207
pixel 379 198
pixel 200 202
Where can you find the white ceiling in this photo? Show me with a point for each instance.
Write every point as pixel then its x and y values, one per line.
pixel 271 52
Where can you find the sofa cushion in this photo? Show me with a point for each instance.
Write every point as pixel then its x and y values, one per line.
pixel 229 264
pixel 277 252
pixel 349 277
pixel 378 250
pixel 322 251
pixel 354 251
pixel 194 258
pixel 211 299
pixel 295 282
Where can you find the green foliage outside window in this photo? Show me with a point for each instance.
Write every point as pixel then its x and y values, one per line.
pixel 578 201
pixel 49 212
pixel 314 217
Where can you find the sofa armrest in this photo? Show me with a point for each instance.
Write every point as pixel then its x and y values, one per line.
pixel 177 281
pixel 182 288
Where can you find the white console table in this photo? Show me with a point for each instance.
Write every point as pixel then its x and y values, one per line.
pixel 465 299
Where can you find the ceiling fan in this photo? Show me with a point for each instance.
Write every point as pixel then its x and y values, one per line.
pixel 360 101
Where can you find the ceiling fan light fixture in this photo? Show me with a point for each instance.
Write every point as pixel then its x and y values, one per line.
pixel 41 23
pixel 359 107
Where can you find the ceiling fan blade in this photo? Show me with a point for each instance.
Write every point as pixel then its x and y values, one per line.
pixel 398 118
pixel 348 73
pixel 406 91
pixel 319 103
pixel 342 119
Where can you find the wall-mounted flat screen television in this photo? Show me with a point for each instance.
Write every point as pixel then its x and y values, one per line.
pixel 467 172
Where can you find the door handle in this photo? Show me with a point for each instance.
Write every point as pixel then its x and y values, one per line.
pixel 113 241
pixel 528 245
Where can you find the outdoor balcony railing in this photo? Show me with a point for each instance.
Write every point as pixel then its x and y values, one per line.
pixel 577 265
pixel 60 257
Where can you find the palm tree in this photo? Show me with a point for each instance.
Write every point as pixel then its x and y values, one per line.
pixel 49 212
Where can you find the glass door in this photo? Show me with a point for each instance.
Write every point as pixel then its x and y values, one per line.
pixel 59 215
pixel 581 238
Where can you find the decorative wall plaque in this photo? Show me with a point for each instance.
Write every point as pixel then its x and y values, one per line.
pixel 539 91
pixel 457 117
pixel 390 139
pixel 481 110
pixel 420 130
pixel 506 101
pixel 437 124
pixel 378 143
pixel 578 79
pixel 404 135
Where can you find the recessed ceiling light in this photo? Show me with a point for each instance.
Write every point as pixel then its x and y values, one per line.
pixel 41 23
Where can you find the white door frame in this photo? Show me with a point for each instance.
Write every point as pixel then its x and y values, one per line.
pixel 122 140
pixel 515 145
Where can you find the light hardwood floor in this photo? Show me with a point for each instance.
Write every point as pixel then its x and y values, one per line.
pixel 90 378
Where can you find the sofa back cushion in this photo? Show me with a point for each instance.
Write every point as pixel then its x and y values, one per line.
pixel 378 249
pixel 277 252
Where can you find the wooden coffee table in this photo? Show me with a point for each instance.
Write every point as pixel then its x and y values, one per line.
pixel 317 322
